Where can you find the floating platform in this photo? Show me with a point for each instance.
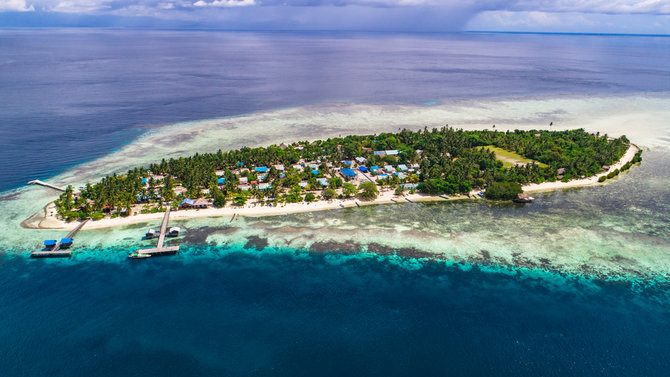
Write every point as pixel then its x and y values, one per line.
pixel 167 250
pixel 51 254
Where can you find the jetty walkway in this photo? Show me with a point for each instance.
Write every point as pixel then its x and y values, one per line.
pixel 56 251
pixel 49 185
pixel 160 249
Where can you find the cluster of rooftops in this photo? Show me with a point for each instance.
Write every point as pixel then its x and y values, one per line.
pixel 349 173
pixel 352 172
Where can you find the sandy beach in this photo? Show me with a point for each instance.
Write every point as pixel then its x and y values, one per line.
pixel 49 221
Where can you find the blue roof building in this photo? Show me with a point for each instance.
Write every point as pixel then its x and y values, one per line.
pixel 221 180
pixel 315 172
pixel 261 169
pixel 348 173
pixel 188 202
pixel 50 243
pixel 363 169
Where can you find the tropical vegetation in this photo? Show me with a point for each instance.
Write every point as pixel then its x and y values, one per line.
pixel 436 161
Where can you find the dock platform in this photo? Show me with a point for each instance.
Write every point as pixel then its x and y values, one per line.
pixel 56 252
pixel 160 250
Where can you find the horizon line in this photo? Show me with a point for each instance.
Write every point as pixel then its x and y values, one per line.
pixel 149 28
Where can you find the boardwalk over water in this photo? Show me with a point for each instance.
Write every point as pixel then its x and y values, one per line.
pixel 160 249
pixel 49 185
pixel 56 251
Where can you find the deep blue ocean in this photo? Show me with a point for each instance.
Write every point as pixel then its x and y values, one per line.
pixel 69 96
pixel 232 313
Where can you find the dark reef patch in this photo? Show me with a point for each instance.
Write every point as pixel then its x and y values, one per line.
pixel 199 236
pixel 378 249
pixel 347 248
pixel 410 252
pixel 256 242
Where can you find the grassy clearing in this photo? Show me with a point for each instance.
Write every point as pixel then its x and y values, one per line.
pixel 510 159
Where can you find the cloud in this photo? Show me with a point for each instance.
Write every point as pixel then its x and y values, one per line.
pixel 225 3
pixel 79 6
pixel 15 6
pixel 594 6
pixel 391 15
pixel 569 22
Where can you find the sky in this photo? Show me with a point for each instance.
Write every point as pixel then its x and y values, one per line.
pixel 569 16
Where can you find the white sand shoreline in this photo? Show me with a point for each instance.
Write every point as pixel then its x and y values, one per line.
pixel 251 210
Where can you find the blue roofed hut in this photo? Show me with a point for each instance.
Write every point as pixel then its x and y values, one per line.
pixel 186 203
pixel 348 173
pixel 66 243
pixel 261 169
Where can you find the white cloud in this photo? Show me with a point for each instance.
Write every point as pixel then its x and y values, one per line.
pixel 225 3
pixel 593 6
pixel 567 22
pixel 79 6
pixel 15 6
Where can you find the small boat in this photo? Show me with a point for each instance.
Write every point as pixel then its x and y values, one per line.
pixel 151 233
pixel 136 255
pixel 523 198
pixel 174 231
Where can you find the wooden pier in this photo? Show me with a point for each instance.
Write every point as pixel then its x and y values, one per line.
pixel 49 185
pixel 160 249
pixel 56 252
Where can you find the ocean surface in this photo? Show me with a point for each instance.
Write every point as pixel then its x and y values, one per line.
pixel 576 284
pixel 70 96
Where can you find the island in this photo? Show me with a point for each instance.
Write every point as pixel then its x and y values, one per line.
pixel 436 164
